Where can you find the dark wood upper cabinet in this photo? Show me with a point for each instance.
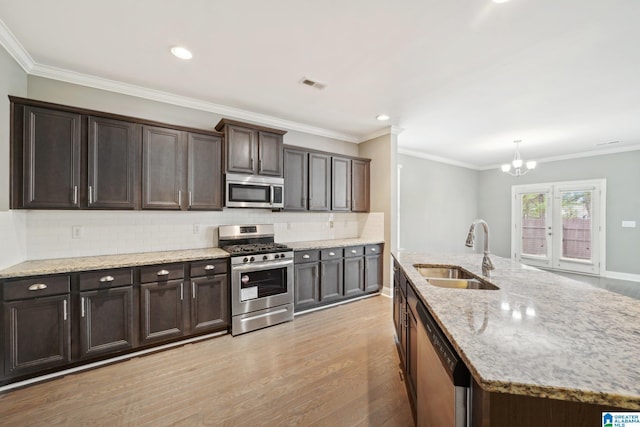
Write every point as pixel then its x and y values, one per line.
pixel 295 179
pixel 162 168
pixel 252 149
pixel 360 185
pixel 112 164
pixel 319 182
pixel 204 172
pixel 340 184
pixel 51 152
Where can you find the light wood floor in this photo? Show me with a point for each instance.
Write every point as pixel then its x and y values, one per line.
pixel 335 367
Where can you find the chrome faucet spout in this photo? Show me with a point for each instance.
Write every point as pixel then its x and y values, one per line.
pixel 487 265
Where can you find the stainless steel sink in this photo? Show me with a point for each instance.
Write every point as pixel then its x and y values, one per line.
pixel 452 277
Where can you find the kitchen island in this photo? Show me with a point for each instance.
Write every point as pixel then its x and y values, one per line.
pixel 539 341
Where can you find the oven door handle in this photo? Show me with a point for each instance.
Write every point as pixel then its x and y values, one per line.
pixel 263 266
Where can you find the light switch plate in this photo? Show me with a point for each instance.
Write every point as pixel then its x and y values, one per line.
pixel 76 232
pixel 629 224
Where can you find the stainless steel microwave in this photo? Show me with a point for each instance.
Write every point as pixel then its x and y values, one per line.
pixel 251 191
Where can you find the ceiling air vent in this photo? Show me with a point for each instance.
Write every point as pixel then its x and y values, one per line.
pixel 313 83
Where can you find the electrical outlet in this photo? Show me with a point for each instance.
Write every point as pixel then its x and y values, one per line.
pixel 196 228
pixel 76 232
pixel 330 224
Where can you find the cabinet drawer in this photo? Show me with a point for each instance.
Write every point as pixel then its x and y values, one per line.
pixel 105 279
pixel 353 251
pixel 333 253
pixel 373 249
pixel 161 272
pixel 306 256
pixel 209 267
pixel 412 299
pixel 36 287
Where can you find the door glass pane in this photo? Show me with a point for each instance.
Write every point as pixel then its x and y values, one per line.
pixel 576 224
pixel 534 224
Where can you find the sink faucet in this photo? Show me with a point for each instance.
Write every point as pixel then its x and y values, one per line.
pixel 487 265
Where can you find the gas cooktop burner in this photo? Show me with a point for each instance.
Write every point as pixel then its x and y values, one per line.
pixel 255 248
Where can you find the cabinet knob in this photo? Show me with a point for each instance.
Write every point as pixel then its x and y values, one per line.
pixel 163 273
pixel 373 249
pixel 332 254
pixel 305 256
pixel 209 267
pixel 37 287
pixel 104 279
pixel 353 251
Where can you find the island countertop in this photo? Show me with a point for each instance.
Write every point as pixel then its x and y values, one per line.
pixel 540 334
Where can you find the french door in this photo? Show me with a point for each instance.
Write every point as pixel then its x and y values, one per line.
pixel 559 225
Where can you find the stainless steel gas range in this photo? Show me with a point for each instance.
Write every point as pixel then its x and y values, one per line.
pixel 261 277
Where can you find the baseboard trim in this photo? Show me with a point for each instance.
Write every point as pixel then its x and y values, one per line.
pixel 335 304
pixel 621 276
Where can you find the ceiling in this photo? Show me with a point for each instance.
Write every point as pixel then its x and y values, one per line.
pixel 463 78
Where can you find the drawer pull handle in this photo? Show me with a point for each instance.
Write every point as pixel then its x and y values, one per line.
pixel 163 273
pixel 104 279
pixel 37 287
pixel 373 249
pixel 353 251
pixel 332 254
pixel 306 256
pixel 209 267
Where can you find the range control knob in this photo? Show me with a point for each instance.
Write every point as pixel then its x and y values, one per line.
pixel 276 256
pixel 264 257
pixel 245 259
pixel 283 255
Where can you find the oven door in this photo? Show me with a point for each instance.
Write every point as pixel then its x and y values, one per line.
pixel 258 286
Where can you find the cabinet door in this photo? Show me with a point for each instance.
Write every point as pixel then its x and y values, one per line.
pixel 307 285
pixel 403 329
pixel 331 280
pixel 397 310
pixel 412 351
pixel 161 309
pixel 37 334
pixel 242 149
pixel 269 154
pixel 204 167
pixel 360 186
pixel 112 154
pixel 106 321
pixel 340 184
pixel 353 276
pixel 319 182
pixel 373 273
pixel 51 159
pixel 295 179
pixel 162 168
pixel 209 303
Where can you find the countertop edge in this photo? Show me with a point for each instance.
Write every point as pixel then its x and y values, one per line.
pixel 332 243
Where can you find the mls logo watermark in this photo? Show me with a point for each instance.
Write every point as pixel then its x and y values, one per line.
pixel 621 419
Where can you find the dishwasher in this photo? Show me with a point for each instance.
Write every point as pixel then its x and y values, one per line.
pixel 443 389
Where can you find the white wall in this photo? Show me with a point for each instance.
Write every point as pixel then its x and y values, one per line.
pixel 12 224
pixel 438 202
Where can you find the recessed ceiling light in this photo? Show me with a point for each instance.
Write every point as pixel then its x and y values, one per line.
pixel 181 52
pixel 382 117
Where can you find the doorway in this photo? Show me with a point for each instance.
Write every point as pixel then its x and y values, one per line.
pixel 560 225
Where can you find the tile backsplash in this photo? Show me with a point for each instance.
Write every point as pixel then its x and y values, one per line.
pixel 59 234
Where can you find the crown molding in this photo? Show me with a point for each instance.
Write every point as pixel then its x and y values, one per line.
pixel 182 101
pixel 437 159
pixel 15 48
pixel 591 153
pixel 390 130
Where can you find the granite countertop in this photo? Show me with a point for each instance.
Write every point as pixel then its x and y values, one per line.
pixel 322 244
pixel 68 265
pixel 540 334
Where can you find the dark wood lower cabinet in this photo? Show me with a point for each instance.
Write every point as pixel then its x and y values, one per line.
pixel 354 276
pixel 306 285
pixel 209 306
pixel 161 310
pixel 331 280
pixel 37 334
pixel 106 321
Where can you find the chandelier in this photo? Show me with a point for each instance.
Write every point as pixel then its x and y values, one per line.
pixel 517 162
